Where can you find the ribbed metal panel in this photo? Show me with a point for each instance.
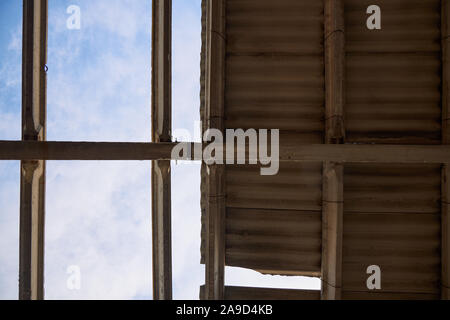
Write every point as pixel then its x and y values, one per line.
pixel 408 26
pixel 393 75
pixel 250 293
pixel 297 186
pixel 244 293
pixel 393 94
pixel 357 295
pixel 392 188
pixel 275 80
pixel 274 241
pixel 268 27
pixel 275 66
pixel 275 92
pixel 392 219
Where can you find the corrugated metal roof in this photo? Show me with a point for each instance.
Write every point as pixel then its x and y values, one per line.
pixel 275 79
pixel 393 75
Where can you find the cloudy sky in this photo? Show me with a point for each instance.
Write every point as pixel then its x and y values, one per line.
pixel 98 213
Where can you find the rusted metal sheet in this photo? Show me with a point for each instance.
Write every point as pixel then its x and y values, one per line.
pixel 32 182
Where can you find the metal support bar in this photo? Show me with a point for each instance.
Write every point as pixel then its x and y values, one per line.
pixel 35 150
pixel 333 198
pixel 445 208
pixel 334 39
pixel 216 187
pixel 161 132
pixel 332 226
pixel 445 227
pixel 32 182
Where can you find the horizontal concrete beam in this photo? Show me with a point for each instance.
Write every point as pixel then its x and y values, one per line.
pixel 34 150
pixel 46 150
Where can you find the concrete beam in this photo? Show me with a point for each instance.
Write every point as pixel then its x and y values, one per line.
pixel 32 181
pixel 161 132
pixel 140 151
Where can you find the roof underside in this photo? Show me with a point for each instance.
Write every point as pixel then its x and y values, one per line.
pixel 274 78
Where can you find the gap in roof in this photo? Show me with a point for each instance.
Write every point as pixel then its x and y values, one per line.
pixel 99 70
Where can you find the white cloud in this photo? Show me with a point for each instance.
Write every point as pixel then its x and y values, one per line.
pixel 98 218
pixel 9 229
pixel 16 40
pixel 99 213
pixel 248 278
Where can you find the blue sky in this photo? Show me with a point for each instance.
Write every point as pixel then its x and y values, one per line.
pixel 98 213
